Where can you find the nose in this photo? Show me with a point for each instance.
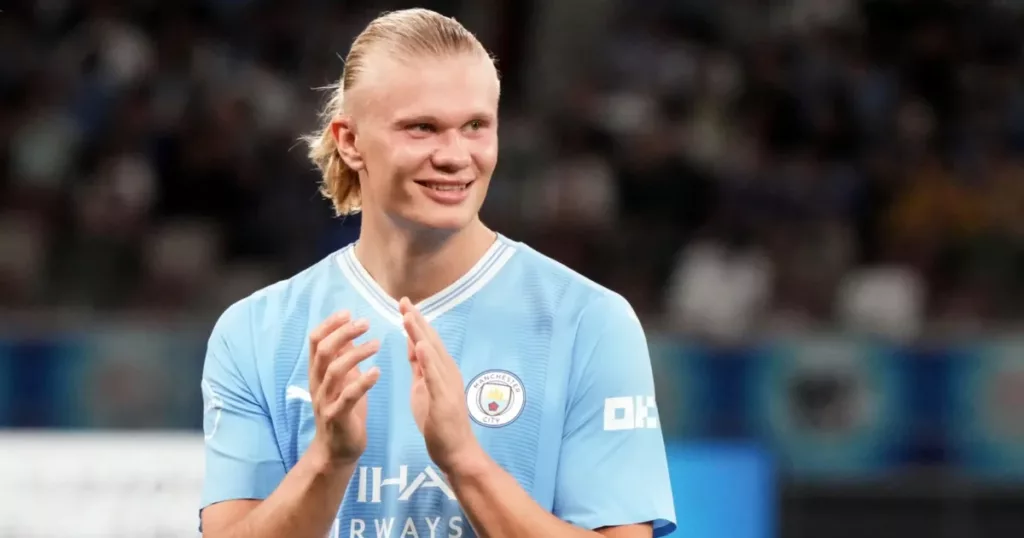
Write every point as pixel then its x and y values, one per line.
pixel 452 153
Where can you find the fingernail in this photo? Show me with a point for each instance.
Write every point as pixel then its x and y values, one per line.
pixel 361 324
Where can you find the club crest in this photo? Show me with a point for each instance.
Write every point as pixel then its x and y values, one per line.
pixel 495 398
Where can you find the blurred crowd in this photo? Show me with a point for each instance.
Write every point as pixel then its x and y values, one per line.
pixel 730 167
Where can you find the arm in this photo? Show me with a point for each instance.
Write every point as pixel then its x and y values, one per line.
pixel 244 466
pixel 494 503
pixel 612 468
pixel 497 507
pixel 304 505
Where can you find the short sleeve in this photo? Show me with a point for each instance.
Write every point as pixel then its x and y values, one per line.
pixel 242 457
pixel 612 467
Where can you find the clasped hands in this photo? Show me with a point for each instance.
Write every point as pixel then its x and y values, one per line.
pixel 338 389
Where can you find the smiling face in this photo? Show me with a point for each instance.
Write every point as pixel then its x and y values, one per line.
pixel 423 136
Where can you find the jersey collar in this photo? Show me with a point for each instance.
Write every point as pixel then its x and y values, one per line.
pixel 485 269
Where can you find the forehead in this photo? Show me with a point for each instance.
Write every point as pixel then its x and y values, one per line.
pixel 451 87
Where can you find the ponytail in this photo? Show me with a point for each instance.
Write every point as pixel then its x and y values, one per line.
pixel 339 183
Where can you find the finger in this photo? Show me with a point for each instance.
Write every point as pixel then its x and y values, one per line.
pixel 405 305
pixel 345 367
pixel 415 334
pixel 339 370
pixel 321 331
pixel 428 359
pixel 417 369
pixel 413 328
pixel 328 326
pixel 425 327
pixel 352 393
pixel 417 326
pixel 336 343
pixel 427 334
pixel 409 310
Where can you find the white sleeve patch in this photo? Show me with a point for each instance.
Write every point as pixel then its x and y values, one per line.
pixel 630 413
pixel 213 406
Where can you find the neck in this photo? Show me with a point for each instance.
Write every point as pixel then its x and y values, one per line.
pixel 417 264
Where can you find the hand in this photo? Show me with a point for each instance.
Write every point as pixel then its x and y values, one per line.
pixel 338 389
pixel 437 395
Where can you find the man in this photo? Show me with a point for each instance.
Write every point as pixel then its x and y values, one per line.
pixel 503 395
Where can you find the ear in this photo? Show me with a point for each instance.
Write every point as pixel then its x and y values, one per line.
pixel 345 137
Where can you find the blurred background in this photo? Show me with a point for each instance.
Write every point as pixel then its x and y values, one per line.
pixel 817 207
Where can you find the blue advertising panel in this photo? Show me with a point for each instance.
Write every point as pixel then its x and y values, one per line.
pixel 986 433
pixel 926 407
pixel 128 378
pixel 6 383
pixel 723 491
pixel 825 407
pixel 829 407
pixel 680 386
pixel 27 396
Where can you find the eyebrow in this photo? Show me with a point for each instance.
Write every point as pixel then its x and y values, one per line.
pixel 434 120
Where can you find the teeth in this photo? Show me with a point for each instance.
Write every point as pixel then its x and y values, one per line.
pixel 448 187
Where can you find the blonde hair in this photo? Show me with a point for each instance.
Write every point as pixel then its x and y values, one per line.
pixel 404 34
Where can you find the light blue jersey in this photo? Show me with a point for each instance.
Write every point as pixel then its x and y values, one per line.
pixel 558 384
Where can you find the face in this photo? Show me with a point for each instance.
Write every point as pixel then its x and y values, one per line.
pixel 423 135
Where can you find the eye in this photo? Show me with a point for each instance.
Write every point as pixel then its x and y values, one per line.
pixel 476 125
pixel 422 128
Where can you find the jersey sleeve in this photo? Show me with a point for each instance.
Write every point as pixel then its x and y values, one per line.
pixel 242 457
pixel 612 467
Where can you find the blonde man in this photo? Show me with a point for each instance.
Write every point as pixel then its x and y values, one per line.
pixel 435 379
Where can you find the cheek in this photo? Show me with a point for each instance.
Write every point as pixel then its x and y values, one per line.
pixel 386 162
pixel 405 157
pixel 487 156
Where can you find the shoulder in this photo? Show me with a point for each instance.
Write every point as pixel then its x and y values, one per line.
pixel 262 313
pixel 253 334
pixel 604 340
pixel 572 295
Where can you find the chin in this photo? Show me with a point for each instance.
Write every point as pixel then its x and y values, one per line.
pixel 443 218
